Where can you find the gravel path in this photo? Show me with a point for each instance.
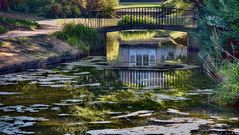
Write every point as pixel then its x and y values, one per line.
pixel 48 26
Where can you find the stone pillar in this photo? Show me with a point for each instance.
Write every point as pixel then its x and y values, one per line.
pixel 193 49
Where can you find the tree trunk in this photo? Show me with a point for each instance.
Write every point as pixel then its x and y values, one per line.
pixel 4 5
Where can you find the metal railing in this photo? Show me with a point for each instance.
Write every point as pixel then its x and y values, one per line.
pixel 144 16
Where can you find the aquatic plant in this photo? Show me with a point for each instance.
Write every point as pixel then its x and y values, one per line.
pixel 88 113
pixel 125 95
pixel 112 47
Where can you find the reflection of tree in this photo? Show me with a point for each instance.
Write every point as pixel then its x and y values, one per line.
pixel 81 93
pixel 187 80
pixel 26 87
pixel 58 128
pixel 106 78
pixel 138 100
pixel 88 113
pixel 112 46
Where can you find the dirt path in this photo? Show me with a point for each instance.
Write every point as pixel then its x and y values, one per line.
pixel 48 26
pixel 24 49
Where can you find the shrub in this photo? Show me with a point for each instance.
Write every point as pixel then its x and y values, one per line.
pixel 62 8
pixel 9 23
pixel 218 32
pixel 137 35
pixel 227 92
pixel 31 6
pixel 181 4
pixel 83 37
pixel 53 10
pixel 107 5
pixel 2 30
pixel 69 8
pixel 128 20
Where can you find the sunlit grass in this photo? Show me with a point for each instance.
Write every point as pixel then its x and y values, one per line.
pixel 112 46
pixel 80 36
pixel 138 4
pixel 88 114
pixel 177 34
pixel 5 44
pixel 137 35
pixel 129 95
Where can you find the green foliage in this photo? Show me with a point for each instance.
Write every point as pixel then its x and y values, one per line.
pixel 228 91
pixel 2 29
pixel 59 8
pixel 20 23
pixel 8 23
pixel 30 6
pixel 130 20
pixel 218 33
pixel 218 25
pixel 128 95
pixel 138 4
pixel 107 5
pixel 181 4
pixel 83 37
pixel 49 8
pixel 137 35
pixel 62 8
pixel 88 113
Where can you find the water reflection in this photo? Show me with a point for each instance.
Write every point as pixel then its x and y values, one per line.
pixel 150 79
pixel 130 92
pixel 151 52
pixel 76 99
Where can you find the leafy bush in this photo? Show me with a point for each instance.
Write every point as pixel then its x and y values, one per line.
pixel 128 20
pixel 70 8
pixel 30 6
pixel 2 30
pixel 83 37
pixel 218 31
pixel 228 91
pixel 181 4
pixel 23 23
pixel 107 5
pixel 8 23
pixel 62 8
pixel 137 35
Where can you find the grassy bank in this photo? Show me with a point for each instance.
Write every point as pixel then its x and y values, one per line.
pixel 7 24
pixel 227 92
pixel 137 35
pixel 85 38
pixel 138 4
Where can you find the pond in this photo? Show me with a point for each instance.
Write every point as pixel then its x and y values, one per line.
pixel 97 95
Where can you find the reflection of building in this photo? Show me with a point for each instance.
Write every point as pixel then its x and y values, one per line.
pixel 149 53
pixel 144 78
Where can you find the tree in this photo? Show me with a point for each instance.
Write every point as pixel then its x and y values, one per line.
pixel 99 4
pixel 218 27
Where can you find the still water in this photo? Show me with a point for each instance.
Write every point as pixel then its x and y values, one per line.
pixel 97 95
